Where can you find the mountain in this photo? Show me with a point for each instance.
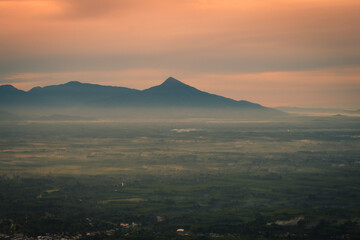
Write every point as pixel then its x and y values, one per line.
pixel 62 117
pixel 353 111
pixel 9 90
pixel 302 110
pixel 10 95
pixel 171 94
pixel 8 116
pixel 309 109
pixel 74 93
pixel 175 93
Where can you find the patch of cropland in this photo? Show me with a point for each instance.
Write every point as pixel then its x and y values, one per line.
pixel 213 179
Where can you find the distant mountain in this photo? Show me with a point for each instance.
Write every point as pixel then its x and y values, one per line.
pixel 353 111
pixel 317 110
pixel 74 93
pixel 303 109
pixel 10 95
pixel 9 90
pixel 8 116
pixel 173 93
pixel 170 94
pixel 62 117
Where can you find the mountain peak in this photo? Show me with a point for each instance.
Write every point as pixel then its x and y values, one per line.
pixel 170 81
pixel 9 89
pixel 73 83
pixel 8 86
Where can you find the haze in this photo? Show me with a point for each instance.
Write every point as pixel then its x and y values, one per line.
pixel 275 52
pixel 179 119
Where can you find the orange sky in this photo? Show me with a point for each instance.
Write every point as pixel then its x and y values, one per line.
pixel 273 52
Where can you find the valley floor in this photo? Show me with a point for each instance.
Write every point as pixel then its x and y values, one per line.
pixel 215 180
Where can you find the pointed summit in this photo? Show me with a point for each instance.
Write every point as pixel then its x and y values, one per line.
pixel 172 82
pixel 170 93
pixel 171 86
pixel 9 89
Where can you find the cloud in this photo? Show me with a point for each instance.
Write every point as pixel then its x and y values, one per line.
pixel 24 76
pixel 92 8
pixel 186 38
pixel 219 36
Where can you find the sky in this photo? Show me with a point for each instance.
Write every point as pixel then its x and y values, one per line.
pixel 273 52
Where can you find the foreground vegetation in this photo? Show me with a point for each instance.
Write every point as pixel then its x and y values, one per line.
pixel 222 180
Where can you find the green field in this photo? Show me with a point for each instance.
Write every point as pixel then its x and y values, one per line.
pixel 297 179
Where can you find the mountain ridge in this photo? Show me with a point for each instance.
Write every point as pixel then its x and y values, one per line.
pixel 170 93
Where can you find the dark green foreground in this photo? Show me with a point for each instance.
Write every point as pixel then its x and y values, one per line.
pixel 294 180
